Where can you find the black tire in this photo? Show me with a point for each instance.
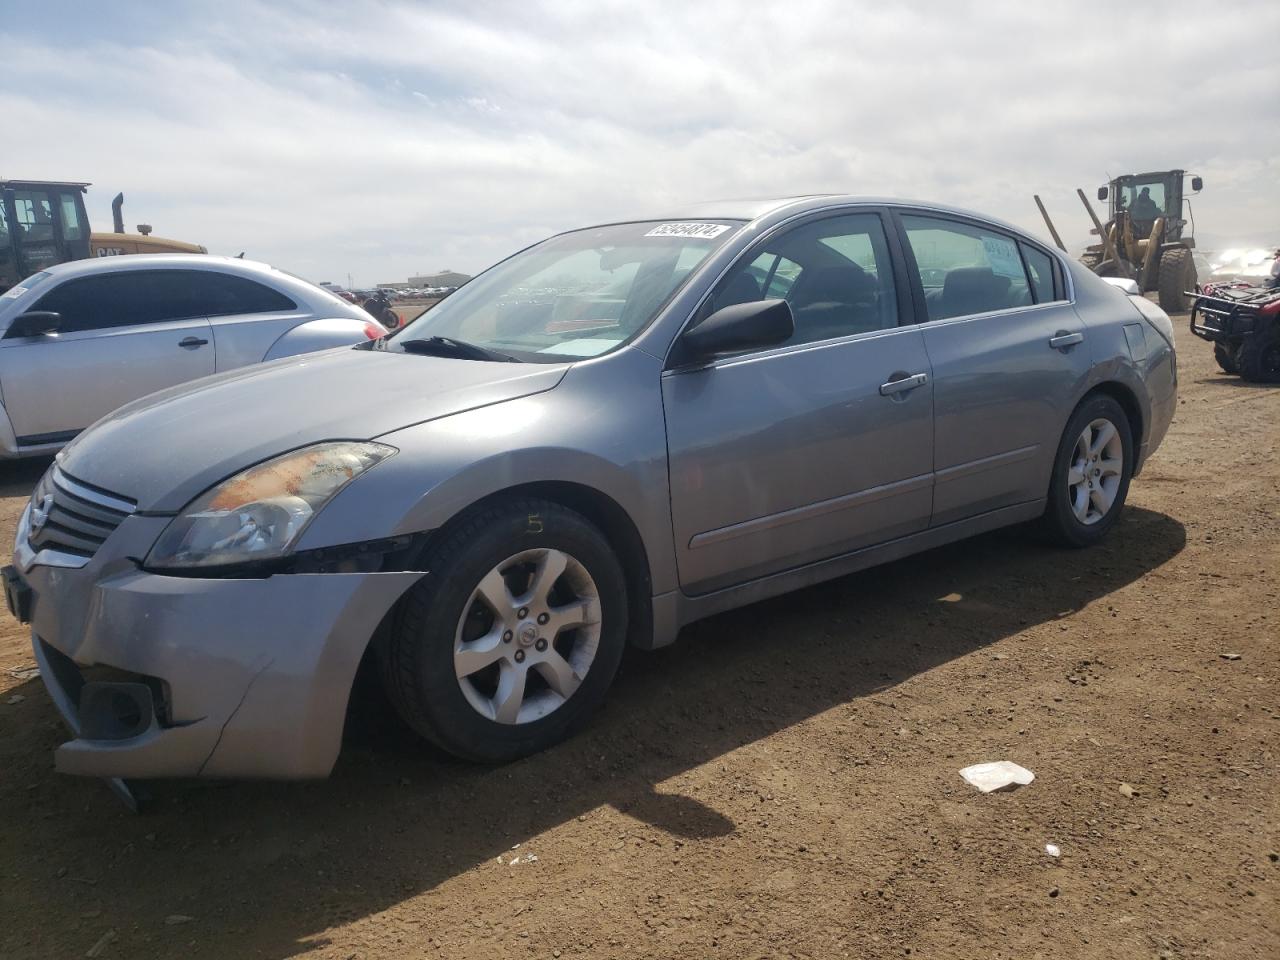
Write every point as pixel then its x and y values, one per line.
pixel 1226 357
pixel 416 656
pixel 1259 356
pixel 1059 522
pixel 1177 274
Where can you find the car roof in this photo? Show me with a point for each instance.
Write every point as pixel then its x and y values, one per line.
pixel 153 261
pixel 767 211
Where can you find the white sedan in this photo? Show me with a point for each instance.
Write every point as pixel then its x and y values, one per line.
pixel 80 339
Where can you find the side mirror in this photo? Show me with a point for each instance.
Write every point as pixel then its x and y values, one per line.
pixel 36 323
pixel 1103 192
pixel 1197 184
pixel 742 326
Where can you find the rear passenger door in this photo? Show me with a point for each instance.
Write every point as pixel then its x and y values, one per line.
pixel 1008 355
pixel 246 316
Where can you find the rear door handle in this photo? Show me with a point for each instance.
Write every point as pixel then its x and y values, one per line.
pixel 903 384
pixel 192 342
pixel 1062 340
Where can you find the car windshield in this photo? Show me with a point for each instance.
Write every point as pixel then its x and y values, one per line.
pixel 32 281
pixel 574 296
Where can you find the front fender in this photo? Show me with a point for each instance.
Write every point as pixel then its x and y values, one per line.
pixel 316 335
pixel 601 428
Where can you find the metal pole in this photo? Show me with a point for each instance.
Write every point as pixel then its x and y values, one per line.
pixel 1107 247
pixel 1049 223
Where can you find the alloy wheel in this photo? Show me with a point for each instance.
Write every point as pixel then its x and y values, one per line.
pixel 527 636
pixel 1097 467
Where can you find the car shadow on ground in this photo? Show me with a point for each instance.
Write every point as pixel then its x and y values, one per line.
pixel 1231 380
pixel 282 863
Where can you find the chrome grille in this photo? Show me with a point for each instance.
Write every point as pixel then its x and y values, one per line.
pixel 73 518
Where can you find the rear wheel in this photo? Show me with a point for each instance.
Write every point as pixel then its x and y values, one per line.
pixel 1090 474
pixel 1259 356
pixel 1226 357
pixel 1177 275
pixel 510 641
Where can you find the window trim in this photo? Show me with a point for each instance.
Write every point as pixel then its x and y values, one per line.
pixel 902 292
pixel 922 310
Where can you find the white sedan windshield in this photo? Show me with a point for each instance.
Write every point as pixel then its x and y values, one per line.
pixel 577 295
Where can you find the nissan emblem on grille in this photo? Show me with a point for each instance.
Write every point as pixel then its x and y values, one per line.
pixel 40 513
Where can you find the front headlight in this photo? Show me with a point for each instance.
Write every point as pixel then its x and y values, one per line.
pixel 260 514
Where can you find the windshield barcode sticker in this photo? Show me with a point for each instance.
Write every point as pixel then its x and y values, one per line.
pixel 704 230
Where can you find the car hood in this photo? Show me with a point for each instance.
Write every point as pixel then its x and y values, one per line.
pixel 165 449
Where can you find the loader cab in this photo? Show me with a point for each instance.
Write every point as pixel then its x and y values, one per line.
pixel 40 224
pixel 1147 196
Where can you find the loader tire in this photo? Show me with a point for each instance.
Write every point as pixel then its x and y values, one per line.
pixel 1177 275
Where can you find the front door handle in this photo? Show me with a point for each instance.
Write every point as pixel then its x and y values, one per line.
pixel 1061 340
pixel 903 384
pixel 192 342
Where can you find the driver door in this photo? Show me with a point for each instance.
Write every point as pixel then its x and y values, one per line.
pixel 820 446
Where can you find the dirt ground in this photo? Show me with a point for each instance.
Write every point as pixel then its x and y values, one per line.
pixel 782 782
pixel 410 310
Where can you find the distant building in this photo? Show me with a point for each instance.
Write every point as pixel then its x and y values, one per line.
pixel 445 278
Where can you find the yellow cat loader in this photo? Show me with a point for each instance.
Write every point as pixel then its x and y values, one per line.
pixel 1146 237
pixel 44 222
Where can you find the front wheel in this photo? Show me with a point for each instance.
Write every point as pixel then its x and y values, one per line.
pixel 1090 474
pixel 512 638
pixel 1226 358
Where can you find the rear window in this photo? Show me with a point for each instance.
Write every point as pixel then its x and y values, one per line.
pixel 966 269
pixel 224 295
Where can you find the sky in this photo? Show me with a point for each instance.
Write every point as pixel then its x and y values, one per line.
pixel 383 139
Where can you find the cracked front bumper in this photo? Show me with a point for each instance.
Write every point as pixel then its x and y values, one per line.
pixel 249 678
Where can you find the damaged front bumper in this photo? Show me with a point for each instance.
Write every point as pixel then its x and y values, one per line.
pixel 164 676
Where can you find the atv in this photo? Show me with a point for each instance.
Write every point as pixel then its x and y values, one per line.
pixel 1242 321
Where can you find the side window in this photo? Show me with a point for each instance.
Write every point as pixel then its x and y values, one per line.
pixel 35 216
pixel 124 299
pixel 73 228
pixel 84 303
pixel 224 295
pixel 966 269
pixel 775 274
pixel 835 273
pixel 1040 268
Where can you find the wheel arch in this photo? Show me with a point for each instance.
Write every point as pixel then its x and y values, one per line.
pixel 1128 400
pixel 614 522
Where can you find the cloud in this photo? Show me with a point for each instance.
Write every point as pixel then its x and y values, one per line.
pixel 384 139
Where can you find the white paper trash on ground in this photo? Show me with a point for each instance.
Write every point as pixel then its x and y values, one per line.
pixel 1001 775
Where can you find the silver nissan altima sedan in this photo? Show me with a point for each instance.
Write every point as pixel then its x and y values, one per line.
pixel 608 435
